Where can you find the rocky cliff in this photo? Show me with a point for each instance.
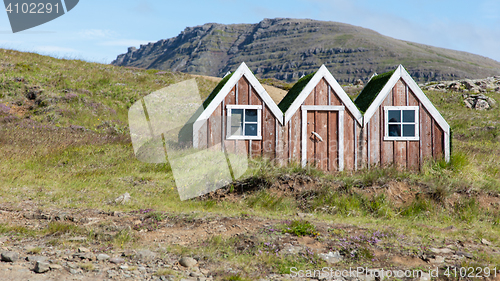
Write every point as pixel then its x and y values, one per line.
pixel 286 49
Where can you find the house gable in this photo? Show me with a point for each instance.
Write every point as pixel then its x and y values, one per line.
pixel 224 88
pixel 376 91
pixel 301 90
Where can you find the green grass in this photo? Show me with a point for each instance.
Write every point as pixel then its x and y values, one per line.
pixel 57 167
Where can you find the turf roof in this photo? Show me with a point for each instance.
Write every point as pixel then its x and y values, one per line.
pixel 216 90
pixel 294 92
pixel 371 90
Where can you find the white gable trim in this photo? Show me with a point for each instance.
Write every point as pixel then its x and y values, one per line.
pixel 242 70
pixel 427 104
pixel 323 73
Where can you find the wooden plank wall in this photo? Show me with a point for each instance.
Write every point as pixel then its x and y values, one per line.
pixel 362 146
pixel 403 154
pixel 327 152
pixel 214 132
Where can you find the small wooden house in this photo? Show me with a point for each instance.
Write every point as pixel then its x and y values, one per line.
pixel 317 123
pixel 239 116
pixel 321 123
pixel 400 124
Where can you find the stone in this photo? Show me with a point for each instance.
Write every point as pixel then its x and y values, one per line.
pixel 102 257
pixel 36 258
pixel 9 256
pixel 485 242
pixel 481 104
pixel 331 257
pixel 441 251
pixel 83 250
pixel 122 199
pixel 187 262
pixel 124 267
pixel 145 255
pixel 436 259
pixel 42 267
pixel 491 101
pixel 55 267
pixel 469 103
pixel 195 274
pixel 116 260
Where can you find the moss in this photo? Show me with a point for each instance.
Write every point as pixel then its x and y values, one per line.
pixel 294 92
pixel 371 90
pixel 217 89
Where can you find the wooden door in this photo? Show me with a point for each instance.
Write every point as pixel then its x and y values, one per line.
pixel 322 137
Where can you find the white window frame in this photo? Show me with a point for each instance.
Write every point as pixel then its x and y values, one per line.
pixel 259 122
pixel 386 123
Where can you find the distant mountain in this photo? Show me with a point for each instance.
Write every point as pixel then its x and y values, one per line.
pixel 286 49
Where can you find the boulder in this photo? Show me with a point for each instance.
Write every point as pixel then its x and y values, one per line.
pixel 9 256
pixel 187 262
pixel 42 267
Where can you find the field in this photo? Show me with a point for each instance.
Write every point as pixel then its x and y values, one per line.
pixel 66 157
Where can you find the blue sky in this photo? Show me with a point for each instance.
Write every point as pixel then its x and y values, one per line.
pixel 100 30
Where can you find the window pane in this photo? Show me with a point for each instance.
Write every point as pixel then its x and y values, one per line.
pixel 409 116
pixel 394 130
pixel 236 122
pixel 251 130
pixel 251 115
pixel 408 130
pixel 394 115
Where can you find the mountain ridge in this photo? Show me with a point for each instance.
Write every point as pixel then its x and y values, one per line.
pixel 286 49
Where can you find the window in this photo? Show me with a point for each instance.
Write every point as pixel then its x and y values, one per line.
pixel 244 122
pixel 401 123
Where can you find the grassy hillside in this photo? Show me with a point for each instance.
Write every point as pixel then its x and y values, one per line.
pixel 64 144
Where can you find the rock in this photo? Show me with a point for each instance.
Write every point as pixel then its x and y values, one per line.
pixel 116 260
pixel 145 255
pixel 122 199
pixel 195 274
pixel 292 249
pixel 481 104
pixel 436 259
pixel 491 102
pixel 124 267
pixel 9 256
pixel 485 242
pixel 441 251
pixel 469 103
pixel 102 257
pixel 331 257
pixel 55 267
pixel 83 250
pixel 36 258
pixel 358 82
pixel 187 262
pixel 42 267
pixel 465 254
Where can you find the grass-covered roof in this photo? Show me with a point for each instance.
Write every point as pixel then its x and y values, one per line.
pixel 294 92
pixel 216 90
pixel 371 90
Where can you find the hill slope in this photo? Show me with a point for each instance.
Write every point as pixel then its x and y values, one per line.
pixel 286 49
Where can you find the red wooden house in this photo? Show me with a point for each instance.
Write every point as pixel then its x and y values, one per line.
pixel 318 124
pixel 239 116
pixel 400 124
pixel 321 123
